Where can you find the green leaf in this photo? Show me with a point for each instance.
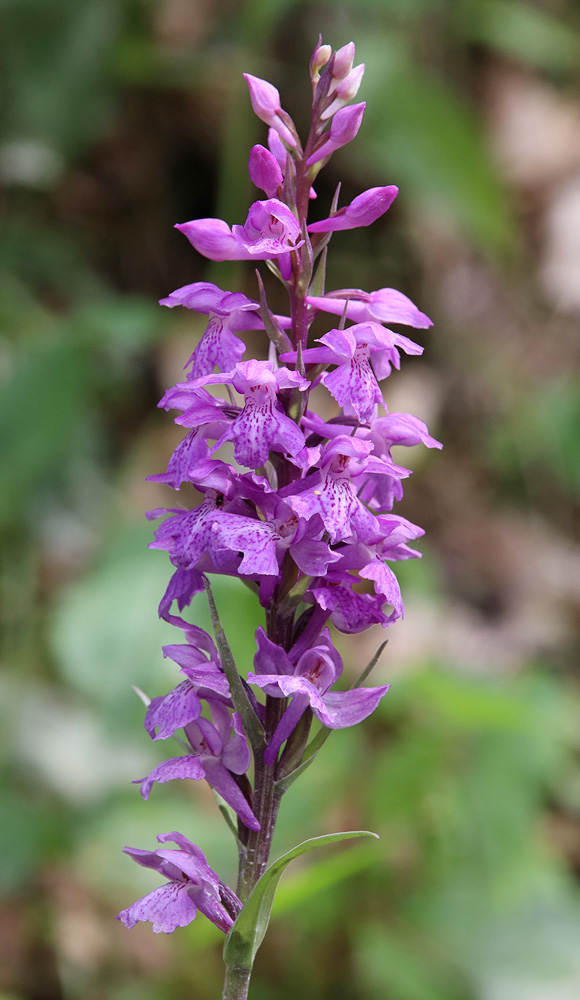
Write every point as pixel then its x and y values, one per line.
pixel 248 932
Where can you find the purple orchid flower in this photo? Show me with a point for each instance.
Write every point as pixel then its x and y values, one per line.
pixel 191 886
pixel 333 494
pixel 204 679
pixel 354 383
pixel 349 611
pixel 229 313
pixel 220 751
pixel 271 230
pixel 363 210
pixel 308 683
pixel 262 425
pixel 386 305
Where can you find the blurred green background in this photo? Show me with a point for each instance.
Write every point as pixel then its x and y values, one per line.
pixel 119 118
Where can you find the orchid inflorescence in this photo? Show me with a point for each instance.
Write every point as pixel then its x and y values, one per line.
pixel 303 515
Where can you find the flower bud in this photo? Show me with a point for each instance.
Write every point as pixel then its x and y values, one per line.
pixel 266 105
pixel 344 91
pixel 343 60
pixel 264 97
pixel 319 58
pixel 343 129
pixel 265 171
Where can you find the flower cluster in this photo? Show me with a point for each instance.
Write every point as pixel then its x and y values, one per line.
pixel 304 514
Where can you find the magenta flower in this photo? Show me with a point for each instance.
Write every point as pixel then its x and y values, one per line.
pixel 308 683
pixel 333 493
pixel 270 230
pixel 353 383
pixel 363 210
pixel 220 751
pixel 228 312
pixel 191 886
pixel 343 129
pixel 262 424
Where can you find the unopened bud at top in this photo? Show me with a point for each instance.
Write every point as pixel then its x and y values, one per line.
pixel 319 58
pixel 264 97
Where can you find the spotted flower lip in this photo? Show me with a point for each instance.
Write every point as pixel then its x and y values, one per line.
pixel 191 886
pixel 228 313
pixel 261 425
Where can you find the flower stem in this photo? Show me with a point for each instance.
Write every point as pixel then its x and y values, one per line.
pixel 236 983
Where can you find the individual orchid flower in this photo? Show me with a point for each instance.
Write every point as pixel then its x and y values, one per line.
pixel 220 751
pixel 271 230
pixel 334 495
pixel 191 886
pixel 228 313
pixel 353 383
pixel 262 425
pixel 308 683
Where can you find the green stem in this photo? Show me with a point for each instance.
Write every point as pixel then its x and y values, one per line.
pixel 236 983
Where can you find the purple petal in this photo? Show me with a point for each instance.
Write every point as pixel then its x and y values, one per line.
pixel 255 539
pixel 214 239
pixel 285 728
pixel 225 785
pixel 347 708
pixel 177 768
pixel 173 711
pixel 166 908
pixel 269 657
pixel 354 385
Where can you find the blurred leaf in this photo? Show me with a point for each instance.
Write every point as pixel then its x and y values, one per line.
pixel 105 631
pixel 525 31
pixel 42 414
pixel 399 967
pixel 54 67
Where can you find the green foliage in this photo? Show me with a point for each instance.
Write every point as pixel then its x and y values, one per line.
pixel 247 934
